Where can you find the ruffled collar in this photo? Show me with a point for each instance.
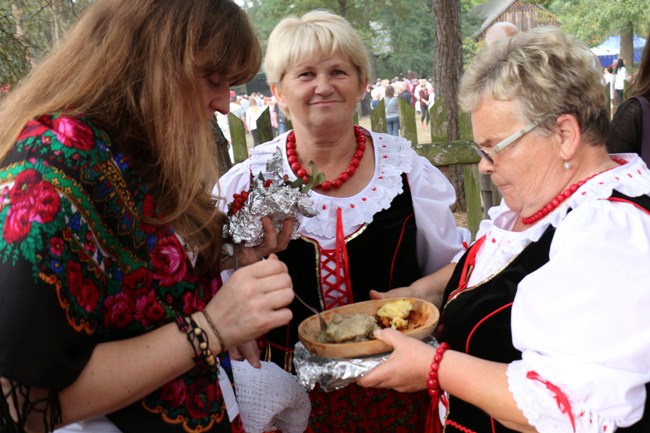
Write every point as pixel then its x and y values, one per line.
pixel 631 179
pixel 393 157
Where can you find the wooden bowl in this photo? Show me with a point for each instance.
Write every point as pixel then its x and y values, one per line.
pixel 309 329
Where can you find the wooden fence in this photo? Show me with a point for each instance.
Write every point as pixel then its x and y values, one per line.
pixel 439 151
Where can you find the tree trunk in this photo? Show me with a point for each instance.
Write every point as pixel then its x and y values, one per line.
pixel 626 49
pixel 17 13
pixel 55 23
pixel 448 69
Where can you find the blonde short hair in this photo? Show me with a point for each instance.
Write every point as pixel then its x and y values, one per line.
pixel 548 72
pixel 317 32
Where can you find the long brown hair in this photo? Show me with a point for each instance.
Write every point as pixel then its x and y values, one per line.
pixel 132 67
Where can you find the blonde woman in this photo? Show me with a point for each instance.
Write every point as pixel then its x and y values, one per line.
pixel 384 215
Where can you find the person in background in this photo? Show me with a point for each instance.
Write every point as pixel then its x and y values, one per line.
pixel 113 314
pixel 235 106
pixel 392 111
pixel 253 112
pixel 269 101
pixel 384 212
pixel 422 94
pixel 499 30
pixel 608 80
pixel 527 336
pixel 620 76
pixel 377 94
pixel 628 123
pixel 402 91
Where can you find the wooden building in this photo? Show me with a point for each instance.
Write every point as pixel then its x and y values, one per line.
pixel 523 15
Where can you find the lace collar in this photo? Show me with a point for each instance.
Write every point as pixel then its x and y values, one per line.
pixel 502 244
pixel 393 156
pixel 631 179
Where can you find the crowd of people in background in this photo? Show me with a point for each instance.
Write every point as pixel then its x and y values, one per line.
pixel 418 93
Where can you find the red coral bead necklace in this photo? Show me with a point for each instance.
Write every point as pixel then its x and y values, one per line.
pixel 344 176
pixel 563 196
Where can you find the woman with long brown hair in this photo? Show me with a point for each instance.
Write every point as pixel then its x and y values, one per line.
pixel 113 313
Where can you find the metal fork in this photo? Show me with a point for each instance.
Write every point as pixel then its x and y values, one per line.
pixel 323 323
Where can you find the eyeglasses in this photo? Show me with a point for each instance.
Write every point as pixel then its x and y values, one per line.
pixel 488 154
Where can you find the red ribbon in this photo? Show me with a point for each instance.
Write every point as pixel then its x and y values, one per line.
pixel 560 397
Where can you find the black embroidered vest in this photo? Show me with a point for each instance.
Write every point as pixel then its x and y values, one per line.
pixel 477 322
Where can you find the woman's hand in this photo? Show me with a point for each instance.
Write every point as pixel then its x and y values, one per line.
pixel 430 288
pixel 407 368
pixel 273 242
pixel 248 351
pixel 400 292
pixel 252 302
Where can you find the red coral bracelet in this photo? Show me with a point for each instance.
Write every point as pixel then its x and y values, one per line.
pixel 433 424
pixel 433 384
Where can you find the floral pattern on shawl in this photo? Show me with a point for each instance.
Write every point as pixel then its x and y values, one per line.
pixel 71 224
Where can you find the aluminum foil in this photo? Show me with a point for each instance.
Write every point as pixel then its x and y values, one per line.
pixel 335 373
pixel 271 194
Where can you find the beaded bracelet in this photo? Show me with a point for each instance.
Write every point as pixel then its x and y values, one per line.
pixel 433 384
pixel 198 339
pixel 215 331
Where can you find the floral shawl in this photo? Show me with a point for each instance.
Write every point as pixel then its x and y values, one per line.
pixel 79 266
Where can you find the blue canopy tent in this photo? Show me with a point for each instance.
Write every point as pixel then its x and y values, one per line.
pixel 608 51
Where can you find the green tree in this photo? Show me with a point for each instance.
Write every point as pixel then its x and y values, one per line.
pixel 29 29
pixel 592 21
pixel 398 34
pixel 409 43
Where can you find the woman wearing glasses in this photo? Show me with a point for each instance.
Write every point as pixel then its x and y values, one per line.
pixel 545 327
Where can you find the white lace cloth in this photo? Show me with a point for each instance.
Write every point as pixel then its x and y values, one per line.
pixel 438 238
pixel 270 398
pixel 581 320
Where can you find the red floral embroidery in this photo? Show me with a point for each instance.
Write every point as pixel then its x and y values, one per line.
pixel 73 133
pixel 354 409
pixel 35 128
pixel 82 288
pixel 17 224
pixel 56 246
pixel 174 393
pixel 148 310
pixel 168 260
pixel 32 199
pixel 46 203
pixel 201 396
pixel 192 302
pixel 137 281
pixel 118 311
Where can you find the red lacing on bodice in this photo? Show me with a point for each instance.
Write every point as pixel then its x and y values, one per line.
pixel 335 270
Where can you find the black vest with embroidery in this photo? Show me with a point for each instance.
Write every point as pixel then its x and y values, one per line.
pixel 477 321
pixel 382 255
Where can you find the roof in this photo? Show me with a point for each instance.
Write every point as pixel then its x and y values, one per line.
pixel 490 11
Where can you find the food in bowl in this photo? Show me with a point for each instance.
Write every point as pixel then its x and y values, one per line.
pixel 356 327
pixel 352 327
pixel 422 321
pixel 395 314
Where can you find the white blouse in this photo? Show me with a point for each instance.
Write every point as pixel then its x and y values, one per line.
pixel 438 238
pixel 582 321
